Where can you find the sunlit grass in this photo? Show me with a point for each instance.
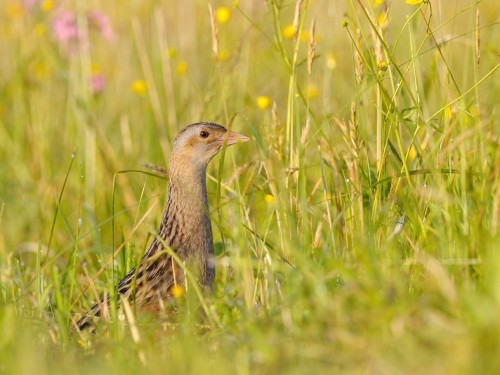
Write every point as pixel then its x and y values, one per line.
pixel 358 232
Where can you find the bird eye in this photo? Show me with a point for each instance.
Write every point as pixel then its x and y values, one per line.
pixel 204 134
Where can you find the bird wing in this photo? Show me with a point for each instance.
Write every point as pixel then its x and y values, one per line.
pixel 145 286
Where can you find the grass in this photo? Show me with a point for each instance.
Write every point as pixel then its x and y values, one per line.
pixel 363 116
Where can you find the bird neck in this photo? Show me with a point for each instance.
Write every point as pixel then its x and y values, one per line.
pixel 186 225
pixel 188 190
pixel 187 183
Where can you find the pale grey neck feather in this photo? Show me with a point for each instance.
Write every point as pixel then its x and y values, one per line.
pixel 186 225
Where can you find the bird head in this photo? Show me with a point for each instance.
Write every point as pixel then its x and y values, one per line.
pixel 200 142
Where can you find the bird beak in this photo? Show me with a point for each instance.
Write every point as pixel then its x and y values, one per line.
pixel 234 137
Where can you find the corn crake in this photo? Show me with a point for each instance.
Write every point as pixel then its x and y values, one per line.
pixel 185 226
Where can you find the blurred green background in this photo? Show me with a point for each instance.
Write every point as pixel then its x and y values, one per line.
pixel 363 115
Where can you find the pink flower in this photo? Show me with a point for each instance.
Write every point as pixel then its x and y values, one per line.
pixel 70 37
pixel 65 28
pixel 97 83
pixel 101 21
pixel 30 3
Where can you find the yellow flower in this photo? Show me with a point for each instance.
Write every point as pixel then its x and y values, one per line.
pixel 140 87
pixel 304 36
pixel 177 291
pixel 15 9
pixel 448 112
pixel 382 65
pixel 312 91
pixel 331 61
pixel 263 102
pixel 413 2
pixel 269 198
pixel 377 2
pixel 288 31
pixel 47 5
pixel 222 15
pixel 171 53
pixel 412 153
pixel 40 29
pixel 383 20
pixel 181 68
pixel 95 68
pixel 39 70
pixel 223 55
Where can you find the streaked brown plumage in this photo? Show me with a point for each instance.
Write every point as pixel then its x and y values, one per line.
pixel 185 226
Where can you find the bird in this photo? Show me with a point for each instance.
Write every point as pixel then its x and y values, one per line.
pixel 185 226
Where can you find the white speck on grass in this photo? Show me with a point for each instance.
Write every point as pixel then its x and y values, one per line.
pixel 399 226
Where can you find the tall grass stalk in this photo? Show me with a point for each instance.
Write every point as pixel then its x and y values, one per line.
pixel 358 232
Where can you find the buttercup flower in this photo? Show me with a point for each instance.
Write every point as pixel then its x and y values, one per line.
pixel 14 9
pixel 181 68
pixel 222 15
pixel 312 91
pixel 288 32
pixel 47 5
pixel 177 291
pixel 140 87
pixel 263 102
pixel 269 198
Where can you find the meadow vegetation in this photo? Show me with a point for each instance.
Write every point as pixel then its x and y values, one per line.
pixel 359 231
